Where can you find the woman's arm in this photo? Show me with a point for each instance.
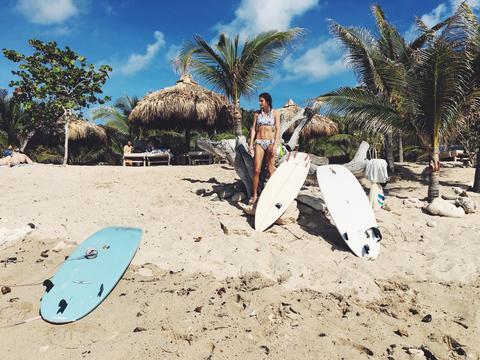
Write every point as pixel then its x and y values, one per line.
pixel 252 132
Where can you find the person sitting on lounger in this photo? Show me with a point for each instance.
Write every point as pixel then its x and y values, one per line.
pixel 127 149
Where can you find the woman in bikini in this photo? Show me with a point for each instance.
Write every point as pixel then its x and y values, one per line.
pixel 264 139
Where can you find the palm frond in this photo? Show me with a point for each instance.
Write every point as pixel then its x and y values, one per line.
pixel 360 45
pixel 358 106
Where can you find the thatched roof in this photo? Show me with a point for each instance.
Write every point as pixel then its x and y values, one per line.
pixel 79 129
pixel 185 105
pixel 319 125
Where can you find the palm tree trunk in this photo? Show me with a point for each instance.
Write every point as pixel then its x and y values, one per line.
pixel 400 148
pixel 237 118
pixel 434 185
pixel 476 183
pixel 389 152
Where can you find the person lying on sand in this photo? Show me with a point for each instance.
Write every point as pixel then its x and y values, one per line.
pixel 15 159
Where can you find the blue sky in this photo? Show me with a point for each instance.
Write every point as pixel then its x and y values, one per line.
pixel 139 37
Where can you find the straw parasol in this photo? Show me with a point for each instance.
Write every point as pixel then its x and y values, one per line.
pixel 184 106
pixel 79 129
pixel 318 126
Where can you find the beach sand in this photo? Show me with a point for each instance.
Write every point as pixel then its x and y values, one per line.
pixel 205 285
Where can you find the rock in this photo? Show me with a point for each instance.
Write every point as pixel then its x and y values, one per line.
pixel 145 272
pixel 457 190
pixel 61 245
pixel 290 216
pixel 466 204
pixel 442 207
pixel 139 329
pixel 449 197
pixel 431 223
pixel 43 348
pixel 12 235
pixel 238 196
pixel 414 202
pixel 313 202
pixel 225 193
pixel 6 290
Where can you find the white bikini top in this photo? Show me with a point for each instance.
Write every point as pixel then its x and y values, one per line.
pixel 266 119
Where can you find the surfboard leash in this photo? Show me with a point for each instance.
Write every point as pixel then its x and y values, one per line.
pixel 90 253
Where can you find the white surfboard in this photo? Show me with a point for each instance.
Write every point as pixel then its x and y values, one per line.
pixel 281 189
pixel 350 210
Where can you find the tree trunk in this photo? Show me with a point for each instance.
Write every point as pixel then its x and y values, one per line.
pixel 65 154
pixel 24 141
pixel 400 148
pixel 476 183
pixel 187 140
pixel 237 118
pixel 389 152
pixel 434 185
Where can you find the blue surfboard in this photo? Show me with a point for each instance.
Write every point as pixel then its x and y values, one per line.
pixel 89 274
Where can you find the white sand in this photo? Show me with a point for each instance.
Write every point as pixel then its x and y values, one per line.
pixel 69 204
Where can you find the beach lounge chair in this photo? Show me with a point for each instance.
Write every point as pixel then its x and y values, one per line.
pixel 134 159
pixel 158 158
pixel 199 158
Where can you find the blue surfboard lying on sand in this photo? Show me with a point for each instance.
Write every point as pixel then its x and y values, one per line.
pixel 89 274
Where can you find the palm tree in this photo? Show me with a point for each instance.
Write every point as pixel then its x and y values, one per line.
pixel 419 88
pixel 235 69
pixel 116 116
pixel 13 120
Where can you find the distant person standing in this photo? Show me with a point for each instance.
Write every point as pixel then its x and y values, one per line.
pixel 264 140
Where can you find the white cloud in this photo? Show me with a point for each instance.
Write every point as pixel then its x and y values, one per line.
pixel 440 13
pixel 47 12
pixel 474 4
pixel 137 62
pixel 435 16
pixel 253 16
pixel 318 63
pixel 172 52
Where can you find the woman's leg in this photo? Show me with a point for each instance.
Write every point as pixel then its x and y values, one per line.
pixel 270 160
pixel 257 168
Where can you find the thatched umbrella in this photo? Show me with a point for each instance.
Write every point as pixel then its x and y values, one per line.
pixel 81 129
pixel 184 106
pixel 319 125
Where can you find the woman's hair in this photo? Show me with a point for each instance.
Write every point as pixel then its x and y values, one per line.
pixel 268 99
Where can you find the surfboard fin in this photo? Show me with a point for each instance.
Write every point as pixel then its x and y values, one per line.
pixel 100 292
pixel 377 233
pixel 48 285
pixel 278 206
pixel 62 305
pixel 366 249
pixel 345 236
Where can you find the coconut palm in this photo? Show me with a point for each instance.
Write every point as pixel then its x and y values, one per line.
pixel 421 88
pixel 232 68
pixel 116 116
pixel 12 121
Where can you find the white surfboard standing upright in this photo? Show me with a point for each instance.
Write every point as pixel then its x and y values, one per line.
pixel 350 210
pixel 281 189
